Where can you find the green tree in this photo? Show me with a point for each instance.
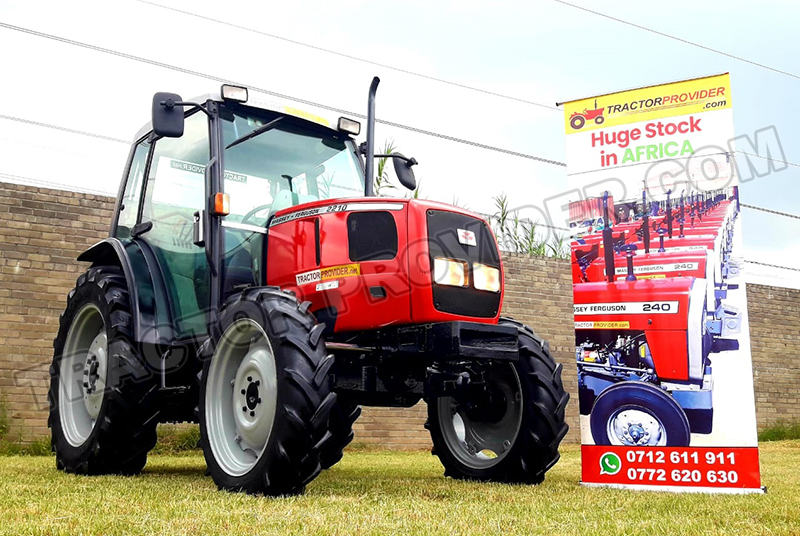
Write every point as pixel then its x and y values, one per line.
pixel 382 184
pixel 520 235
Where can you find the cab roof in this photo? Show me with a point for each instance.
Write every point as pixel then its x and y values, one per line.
pixel 255 100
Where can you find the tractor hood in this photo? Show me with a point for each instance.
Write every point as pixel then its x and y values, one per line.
pixel 365 263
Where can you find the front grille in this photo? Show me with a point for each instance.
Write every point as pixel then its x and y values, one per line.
pixel 443 241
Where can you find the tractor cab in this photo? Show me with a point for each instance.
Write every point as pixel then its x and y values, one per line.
pixel 208 193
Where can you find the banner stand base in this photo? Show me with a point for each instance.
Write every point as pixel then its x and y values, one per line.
pixel 679 489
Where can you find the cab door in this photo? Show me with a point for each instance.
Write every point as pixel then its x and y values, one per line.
pixel 174 190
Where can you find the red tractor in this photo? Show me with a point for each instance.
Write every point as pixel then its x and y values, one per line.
pixel 578 119
pixel 644 333
pixel 252 282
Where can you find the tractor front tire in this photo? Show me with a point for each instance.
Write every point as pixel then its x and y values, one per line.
pixel 103 398
pixel 513 436
pixel 343 415
pixel 265 394
pixel 635 413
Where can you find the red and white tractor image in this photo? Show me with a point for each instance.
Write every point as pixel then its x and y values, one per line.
pixel 578 119
pixel 645 325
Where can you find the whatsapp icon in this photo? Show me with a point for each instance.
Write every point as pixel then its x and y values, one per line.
pixel 610 464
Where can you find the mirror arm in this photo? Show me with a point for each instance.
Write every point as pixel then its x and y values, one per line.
pixel 169 105
pixel 409 161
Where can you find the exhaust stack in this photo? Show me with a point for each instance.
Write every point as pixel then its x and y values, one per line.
pixel 370 156
pixel 669 214
pixel 645 222
pixel 682 219
pixel 608 242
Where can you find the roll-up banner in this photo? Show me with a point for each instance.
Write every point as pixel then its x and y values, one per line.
pixel 662 339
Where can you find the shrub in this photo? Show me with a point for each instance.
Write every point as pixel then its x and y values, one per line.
pixel 780 431
pixel 5 423
pixel 177 438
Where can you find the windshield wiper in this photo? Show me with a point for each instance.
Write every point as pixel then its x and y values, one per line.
pixel 256 132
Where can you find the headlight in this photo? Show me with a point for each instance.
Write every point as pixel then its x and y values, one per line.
pixel 486 277
pixel 450 272
pixel 234 93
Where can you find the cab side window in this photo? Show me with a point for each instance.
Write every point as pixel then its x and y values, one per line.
pixel 129 209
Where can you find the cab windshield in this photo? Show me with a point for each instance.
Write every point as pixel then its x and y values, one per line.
pixel 285 164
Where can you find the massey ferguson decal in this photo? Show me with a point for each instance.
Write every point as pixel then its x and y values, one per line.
pixel 340 207
pixel 665 388
pixel 629 308
pixel 660 268
pixel 467 238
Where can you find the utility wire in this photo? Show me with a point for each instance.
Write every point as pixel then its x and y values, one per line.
pixel 63 129
pixel 275 94
pixel 53 185
pixel 351 57
pixel 770 159
pixel 679 39
pixel 773 265
pixel 770 211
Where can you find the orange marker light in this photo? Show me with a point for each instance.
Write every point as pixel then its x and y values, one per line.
pixel 222 204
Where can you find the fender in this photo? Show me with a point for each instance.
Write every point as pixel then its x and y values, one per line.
pixel 150 318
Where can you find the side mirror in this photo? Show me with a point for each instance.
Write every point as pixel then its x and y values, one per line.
pixel 402 168
pixel 167 115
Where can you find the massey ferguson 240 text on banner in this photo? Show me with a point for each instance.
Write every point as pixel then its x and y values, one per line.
pixel 661 331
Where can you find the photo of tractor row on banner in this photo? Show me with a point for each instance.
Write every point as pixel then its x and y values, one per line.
pixel 662 338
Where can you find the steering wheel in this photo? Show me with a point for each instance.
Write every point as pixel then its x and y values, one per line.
pixel 255 211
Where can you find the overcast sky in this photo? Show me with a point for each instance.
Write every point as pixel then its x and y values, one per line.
pixel 539 51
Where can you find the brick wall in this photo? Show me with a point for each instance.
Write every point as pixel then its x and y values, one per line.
pixel 775 339
pixel 42 231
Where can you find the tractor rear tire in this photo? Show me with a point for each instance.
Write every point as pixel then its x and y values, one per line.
pixel 265 394
pixel 343 415
pixel 103 397
pixel 577 122
pixel 521 440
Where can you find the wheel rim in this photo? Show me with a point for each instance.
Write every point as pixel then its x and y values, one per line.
pixel 241 397
pixel 636 427
pixel 481 442
pixel 83 369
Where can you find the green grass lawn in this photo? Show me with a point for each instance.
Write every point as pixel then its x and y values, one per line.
pixel 378 492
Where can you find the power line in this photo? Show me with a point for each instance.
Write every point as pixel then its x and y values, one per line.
pixel 776 212
pixel 52 185
pixel 770 159
pixel 63 129
pixel 349 56
pixel 773 265
pixel 279 95
pixel 679 39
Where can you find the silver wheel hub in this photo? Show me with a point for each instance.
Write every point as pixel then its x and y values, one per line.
pixel 480 433
pixel 636 428
pixel 94 375
pixel 241 397
pixel 83 371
